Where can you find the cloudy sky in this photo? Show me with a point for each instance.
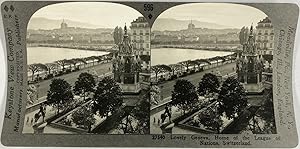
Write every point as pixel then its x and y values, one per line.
pixel 106 15
pixel 233 15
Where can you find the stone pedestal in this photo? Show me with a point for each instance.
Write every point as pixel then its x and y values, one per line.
pixel 39 127
pixel 166 128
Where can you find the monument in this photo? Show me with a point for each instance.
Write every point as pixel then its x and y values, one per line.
pixel 249 66
pixel 127 66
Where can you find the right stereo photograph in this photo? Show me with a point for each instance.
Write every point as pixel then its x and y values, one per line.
pixel 211 70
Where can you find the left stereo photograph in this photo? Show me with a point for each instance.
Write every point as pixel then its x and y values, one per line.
pixel 88 70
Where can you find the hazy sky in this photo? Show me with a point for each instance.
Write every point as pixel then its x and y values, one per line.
pixel 233 15
pixel 103 14
pixel 109 15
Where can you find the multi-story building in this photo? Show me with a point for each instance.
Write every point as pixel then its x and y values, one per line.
pixel 265 48
pixel 140 36
pixel 265 37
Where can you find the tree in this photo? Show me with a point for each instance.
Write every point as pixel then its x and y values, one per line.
pixel 174 68
pixel 63 63
pixel 34 68
pixel 142 113
pixel 186 64
pixel 85 83
pixel 84 117
pixel 184 95
pixel 194 63
pixel 232 98
pixel 51 66
pixel 208 84
pixel 243 35
pixel 108 97
pixel 76 61
pixel 265 115
pixel 201 61
pixel 118 35
pixel 156 69
pixel 137 120
pixel 59 94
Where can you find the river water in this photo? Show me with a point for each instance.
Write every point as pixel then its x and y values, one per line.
pixel 174 55
pixel 49 54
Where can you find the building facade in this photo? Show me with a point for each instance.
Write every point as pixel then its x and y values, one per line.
pixel 140 37
pixel 265 37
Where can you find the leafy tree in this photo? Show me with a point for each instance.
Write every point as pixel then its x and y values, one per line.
pixel 243 35
pixel 137 120
pixel 34 68
pixel 63 63
pixel 156 69
pixel 108 97
pixel 84 117
pixel 51 66
pixel 174 68
pixel 118 35
pixel 208 84
pixel 59 94
pixel 266 123
pixel 85 83
pixel 184 95
pixel 201 61
pixel 186 64
pixel 232 98
pixel 76 61
pixel 142 113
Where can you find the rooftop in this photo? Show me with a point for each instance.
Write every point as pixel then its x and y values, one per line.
pixel 140 20
pixel 265 20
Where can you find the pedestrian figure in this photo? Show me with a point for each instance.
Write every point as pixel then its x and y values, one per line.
pixel 154 120
pixel 31 121
pixel 158 121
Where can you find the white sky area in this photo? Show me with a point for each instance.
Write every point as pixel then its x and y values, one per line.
pixel 107 15
pixel 232 15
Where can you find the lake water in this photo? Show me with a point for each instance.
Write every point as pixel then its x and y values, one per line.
pixel 48 55
pixel 174 55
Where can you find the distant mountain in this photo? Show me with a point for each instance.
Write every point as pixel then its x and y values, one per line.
pixel 162 24
pixel 44 23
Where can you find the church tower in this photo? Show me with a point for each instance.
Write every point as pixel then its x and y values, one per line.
pixel 249 66
pixel 127 66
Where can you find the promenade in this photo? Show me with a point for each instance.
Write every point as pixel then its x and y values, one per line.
pixel 71 78
pixel 167 87
pixel 166 92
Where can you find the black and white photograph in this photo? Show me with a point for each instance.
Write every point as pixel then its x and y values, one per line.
pixel 211 70
pixel 88 70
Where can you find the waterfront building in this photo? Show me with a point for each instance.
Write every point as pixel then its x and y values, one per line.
pixel 140 31
pixel 265 37
pixel 140 37
pixel 265 42
pixel 126 66
pixel 249 66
